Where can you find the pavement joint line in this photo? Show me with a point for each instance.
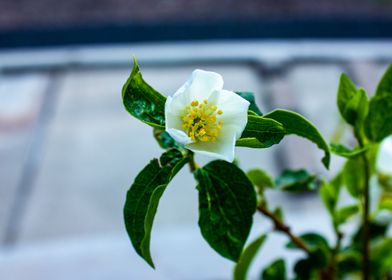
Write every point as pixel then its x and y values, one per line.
pixel 269 52
pixel 33 161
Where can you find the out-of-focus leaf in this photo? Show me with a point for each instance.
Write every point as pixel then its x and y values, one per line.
pixel 275 271
pixel 296 181
pixel 260 178
pixel 343 151
pixel 329 196
pixel 343 214
pixel 381 258
pixel 354 177
pixel 247 256
pixel 377 230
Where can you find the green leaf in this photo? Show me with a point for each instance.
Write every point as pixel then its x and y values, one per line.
pixel 247 256
pixel 227 202
pixel 354 177
pixel 143 197
pixel 348 262
pixel 261 132
pixel 142 101
pixel 278 213
pixel 381 258
pixel 347 99
pixel 319 251
pixel 260 178
pixel 377 230
pixel 385 85
pixel 330 191
pixel 251 98
pixel 385 202
pixel 275 271
pixel 164 140
pixel 378 123
pixel 343 214
pixel 343 151
pixel 304 270
pixel 296 124
pixel 311 240
pixel 296 181
pixel 329 197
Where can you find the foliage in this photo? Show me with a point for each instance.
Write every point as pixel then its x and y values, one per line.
pixel 229 197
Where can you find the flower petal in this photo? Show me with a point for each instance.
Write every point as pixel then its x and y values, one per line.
pixel 173 114
pixel 234 108
pixel 203 84
pixel 223 148
pixel 179 136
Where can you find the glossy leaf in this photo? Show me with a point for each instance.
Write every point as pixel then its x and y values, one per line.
pixel 296 124
pixel 142 101
pixel 329 195
pixel 164 140
pixel 296 181
pixel 261 132
pixel 227 202
pixel 275 271
pixel 143 198
pixel 251 98
pixel 247 256
pixel 343 151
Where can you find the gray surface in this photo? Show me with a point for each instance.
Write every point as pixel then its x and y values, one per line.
pixel 21 97
pixel 71 224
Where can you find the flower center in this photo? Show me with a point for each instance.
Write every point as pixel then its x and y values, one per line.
pixel 200 121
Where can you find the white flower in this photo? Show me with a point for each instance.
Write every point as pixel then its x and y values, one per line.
pixel 384 159
pixel 204 117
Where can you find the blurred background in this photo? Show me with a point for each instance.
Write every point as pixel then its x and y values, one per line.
pixel 69 151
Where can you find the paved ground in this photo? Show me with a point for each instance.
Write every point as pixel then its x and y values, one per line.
pixel 69 151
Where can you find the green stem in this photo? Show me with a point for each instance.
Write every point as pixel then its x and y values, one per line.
pixel 279 226
pixel 192 164
pixel 365 217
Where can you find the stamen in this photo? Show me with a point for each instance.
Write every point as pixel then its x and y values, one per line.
pixel 200 121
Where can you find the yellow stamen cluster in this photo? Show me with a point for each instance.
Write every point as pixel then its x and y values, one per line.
pixel 200 121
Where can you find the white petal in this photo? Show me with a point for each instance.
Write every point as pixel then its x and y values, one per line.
pixel 173 114
pixel 234 108
pixel 179 136
pixel 223 148
pixel 384 159
pixel 203 84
